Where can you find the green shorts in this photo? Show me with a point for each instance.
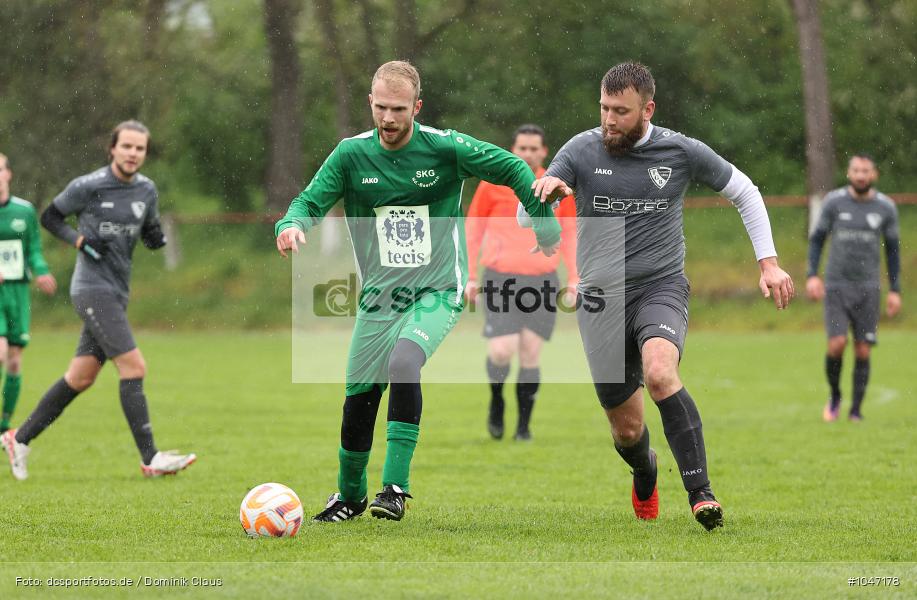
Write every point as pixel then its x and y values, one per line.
pixel 426 322
pixel 15 313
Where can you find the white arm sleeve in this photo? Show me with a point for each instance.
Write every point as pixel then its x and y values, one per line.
pixel 523 217
pixel 745 196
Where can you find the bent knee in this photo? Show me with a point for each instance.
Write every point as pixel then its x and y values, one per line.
pixel 79 381
pixel 131 365
pixel 405 363
pixel 661 380
pixel 501 354
pixel 627 433
pixel 836 346
pixel 13 363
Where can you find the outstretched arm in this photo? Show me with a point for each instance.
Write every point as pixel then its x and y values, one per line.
pixel 496 165
pixel 774 282
pixel 313 203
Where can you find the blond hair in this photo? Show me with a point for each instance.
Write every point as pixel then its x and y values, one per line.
pixel 399 71
pixel 6 161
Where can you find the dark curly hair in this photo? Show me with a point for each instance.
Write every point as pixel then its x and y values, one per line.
pixel 629 75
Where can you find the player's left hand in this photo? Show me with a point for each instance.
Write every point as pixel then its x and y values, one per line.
pixel 546 250
pixel 892 304
pixel 776 283
pixel 550 188
pixel 46 283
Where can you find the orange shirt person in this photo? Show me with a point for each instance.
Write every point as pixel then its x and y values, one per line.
pixel 519 290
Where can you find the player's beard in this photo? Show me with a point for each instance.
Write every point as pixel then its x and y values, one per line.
pixel 625 140
pixel 400 135
pixel 862 191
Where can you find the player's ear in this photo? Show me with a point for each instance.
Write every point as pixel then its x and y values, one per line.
pixel 370 98
pixel 417 106
pixel 649 109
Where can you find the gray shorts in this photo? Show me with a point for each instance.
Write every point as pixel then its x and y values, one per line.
pixel 853 307
pixel 106 332
pixel 659 309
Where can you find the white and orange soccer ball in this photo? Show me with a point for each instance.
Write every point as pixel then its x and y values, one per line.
pixel 271 510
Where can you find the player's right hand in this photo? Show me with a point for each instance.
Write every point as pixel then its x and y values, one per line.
pixel 46 283
pixel 815 288
pixel 93 247
pixel 287 240
pixel 550 188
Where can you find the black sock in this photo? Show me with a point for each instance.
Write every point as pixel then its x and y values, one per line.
pixel 359 419
pixel 496 375
pixel 684 432
pixel 405 401
pixel 638 457
pixel 133 403
pixel 860 379
pixel 526 391
pixel 833 370
pixel 50 407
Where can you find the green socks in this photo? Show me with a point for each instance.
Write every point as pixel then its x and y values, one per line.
pixel 10 398
pixel 402 438
pixel 352 475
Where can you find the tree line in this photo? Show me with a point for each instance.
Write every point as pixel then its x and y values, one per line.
pixel 246 98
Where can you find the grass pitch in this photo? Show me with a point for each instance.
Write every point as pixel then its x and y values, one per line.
pixel 808 504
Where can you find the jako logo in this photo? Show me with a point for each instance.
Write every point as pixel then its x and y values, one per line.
pixel 692 472
pixel 602 172
pixel 421 334
pixel 667 328
pixel 370 180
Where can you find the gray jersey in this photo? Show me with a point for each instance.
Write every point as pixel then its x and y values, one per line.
pixel 114 211
pixel 855 227
pixel 645 187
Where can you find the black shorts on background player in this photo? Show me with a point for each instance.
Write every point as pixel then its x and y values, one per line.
pixel 525 308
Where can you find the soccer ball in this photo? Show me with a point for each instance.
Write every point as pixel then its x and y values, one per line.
pixel 271 510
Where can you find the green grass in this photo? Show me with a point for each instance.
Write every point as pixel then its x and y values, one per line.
pixel 808 504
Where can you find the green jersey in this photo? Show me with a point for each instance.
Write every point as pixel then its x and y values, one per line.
pixel 404 210
pixel 20 242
